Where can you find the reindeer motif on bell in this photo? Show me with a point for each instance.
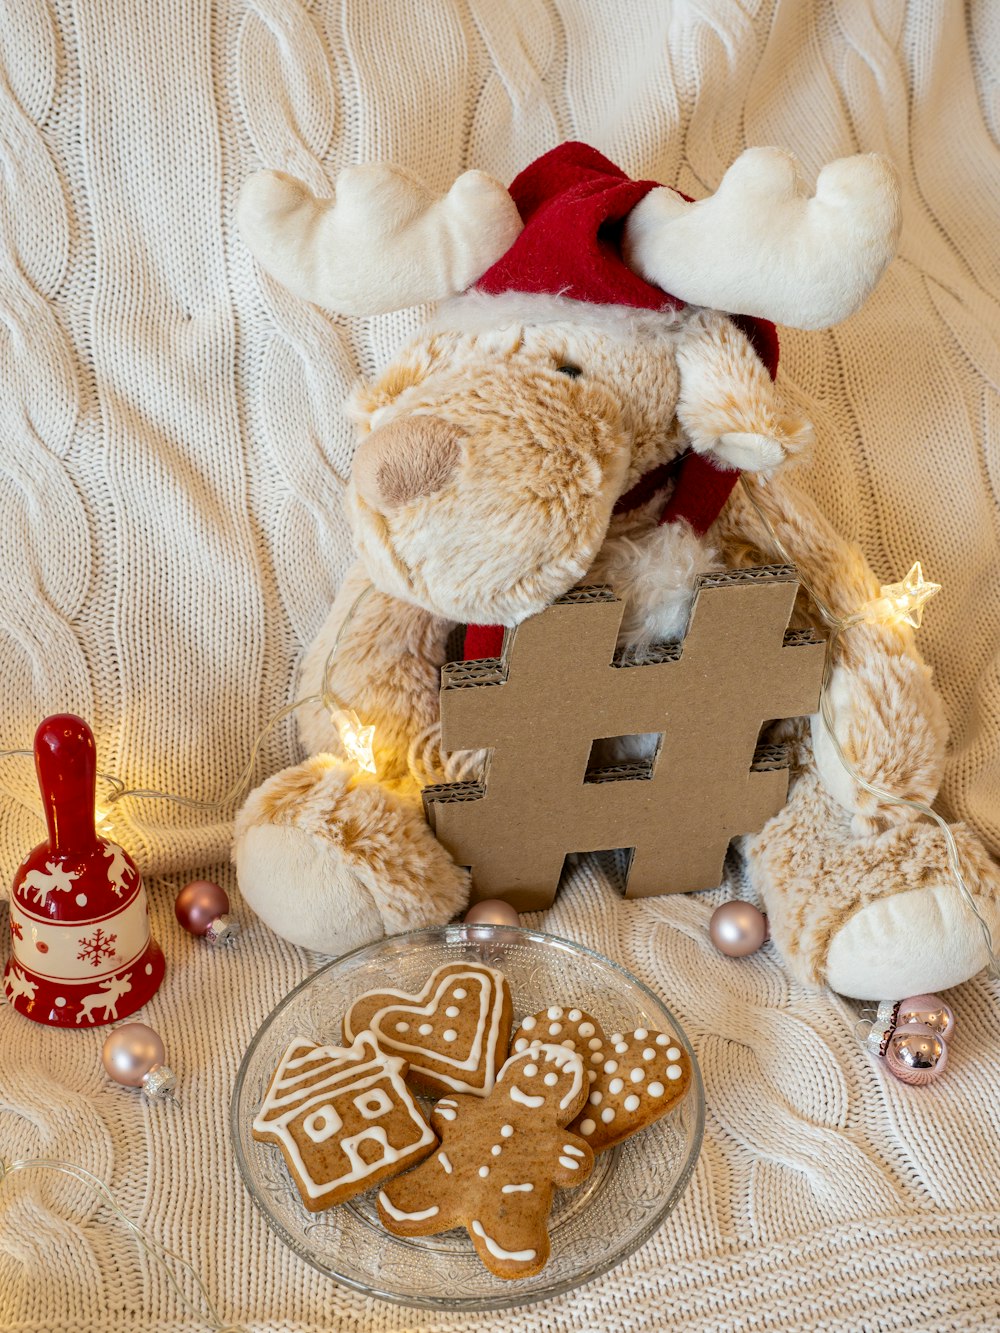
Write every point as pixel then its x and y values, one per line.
pixel 81 949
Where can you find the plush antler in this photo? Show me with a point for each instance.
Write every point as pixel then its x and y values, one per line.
pixel 761 246
pixel 383 242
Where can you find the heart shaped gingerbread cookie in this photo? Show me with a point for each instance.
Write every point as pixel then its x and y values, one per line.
pixel 635 1077
pixel 454 1035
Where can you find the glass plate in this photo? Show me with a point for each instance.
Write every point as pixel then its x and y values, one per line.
pixel 633 1188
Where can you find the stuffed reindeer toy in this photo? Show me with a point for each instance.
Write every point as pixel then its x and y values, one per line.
pixel 598 372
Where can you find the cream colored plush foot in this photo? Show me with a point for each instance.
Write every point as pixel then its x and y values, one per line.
pixel 330 859
pixel 876 917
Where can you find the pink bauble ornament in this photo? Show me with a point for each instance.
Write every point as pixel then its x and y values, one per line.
pixel 133 1056
pixel 492 912
pixel 916 1054
pixel 202 907
pixel 930 1010
pixel 738 928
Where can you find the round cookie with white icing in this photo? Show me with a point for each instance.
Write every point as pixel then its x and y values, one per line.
pixel 634 1078
pixel 454 1035
pixel 500 1160
pixel 343 1119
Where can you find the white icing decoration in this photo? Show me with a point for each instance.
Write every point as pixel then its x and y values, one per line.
pixel 550 1080
pixel 674 1072
pixel 631 1102
pixel 608 1114
pixel 555 1029
pixel 322 1124
pixel 450 1035
pixel 673 1053
pixel 311 1078
pixel 555 1012
pixel 596 1098
pixel 616 1037
pixel 530 1070
pixel 484 1171
pixel 622 1047
pixel 596 1058
pixel 611 1067
pixel 573 1152
pixel 529 1023
pixel 574 1015
pixel 445 1162
pixel 496 1150
pixel 446 1114
pixel 569 1162
pixel 662 1039
pixel 402 1027
pixel 516 1189
pixel 595 1043
pixel 649 1053
pixel 506 1130
pixel 569 1043
pixel 460 993
pixel 591 1075
pixel 425 1029
pixel 655 1089
pixel 640 1034
pixel 586 1029
pixel 587 1127
pixel 615 1086
pixel 373 1103
pixel 521 1044
pixel 637 1075
pixel 452 1011
pixel 399 1216
pixel 498 1251
pixel 516 1095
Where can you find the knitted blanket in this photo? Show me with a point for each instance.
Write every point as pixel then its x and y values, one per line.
pixel 172 460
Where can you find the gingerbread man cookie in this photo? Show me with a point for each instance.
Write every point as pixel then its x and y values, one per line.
pixel 635 1078
pixel 454 1034
pixel 344 1119
pixel 500 1160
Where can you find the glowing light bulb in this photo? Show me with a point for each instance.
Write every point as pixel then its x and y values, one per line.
pixel 102 822
pixel 903 602
pixel 358 741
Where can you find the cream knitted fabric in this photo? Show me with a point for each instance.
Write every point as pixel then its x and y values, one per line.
pixel 171 536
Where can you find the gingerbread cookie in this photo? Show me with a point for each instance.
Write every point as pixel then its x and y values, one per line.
pixel 499 1162
pixel 344 1119
pixel 635 1078
pixel 454 1034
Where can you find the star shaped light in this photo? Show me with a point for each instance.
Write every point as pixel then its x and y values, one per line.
pixel 903 602
pixel 358 741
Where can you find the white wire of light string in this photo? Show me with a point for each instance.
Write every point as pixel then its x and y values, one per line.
pixel 147 1244
pixel 838 625
pixel 118 789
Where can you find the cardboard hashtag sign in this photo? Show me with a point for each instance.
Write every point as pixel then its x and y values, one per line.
pixel 560 686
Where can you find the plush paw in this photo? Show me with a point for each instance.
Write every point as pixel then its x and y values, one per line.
pixel 873 917
pixel 331 859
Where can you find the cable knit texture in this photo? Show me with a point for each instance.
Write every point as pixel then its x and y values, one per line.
pixel 173 456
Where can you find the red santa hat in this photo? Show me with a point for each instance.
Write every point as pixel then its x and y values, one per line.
pixel 573 203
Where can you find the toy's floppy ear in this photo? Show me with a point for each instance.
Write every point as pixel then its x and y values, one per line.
pixel 384 241
pixel 762 246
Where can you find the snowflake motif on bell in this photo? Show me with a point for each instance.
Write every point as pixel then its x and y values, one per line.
pixel 97 947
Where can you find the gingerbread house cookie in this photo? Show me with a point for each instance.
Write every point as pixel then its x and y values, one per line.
pixel 343 1118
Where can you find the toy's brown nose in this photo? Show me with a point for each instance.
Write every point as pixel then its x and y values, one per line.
pixel 408 458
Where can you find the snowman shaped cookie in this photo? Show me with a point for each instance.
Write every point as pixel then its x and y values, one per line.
pixel 499 1162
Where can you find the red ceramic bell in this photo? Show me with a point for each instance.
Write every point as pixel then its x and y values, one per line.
pixel 81 949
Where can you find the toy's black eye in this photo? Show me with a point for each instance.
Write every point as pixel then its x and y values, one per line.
pixel 574 372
